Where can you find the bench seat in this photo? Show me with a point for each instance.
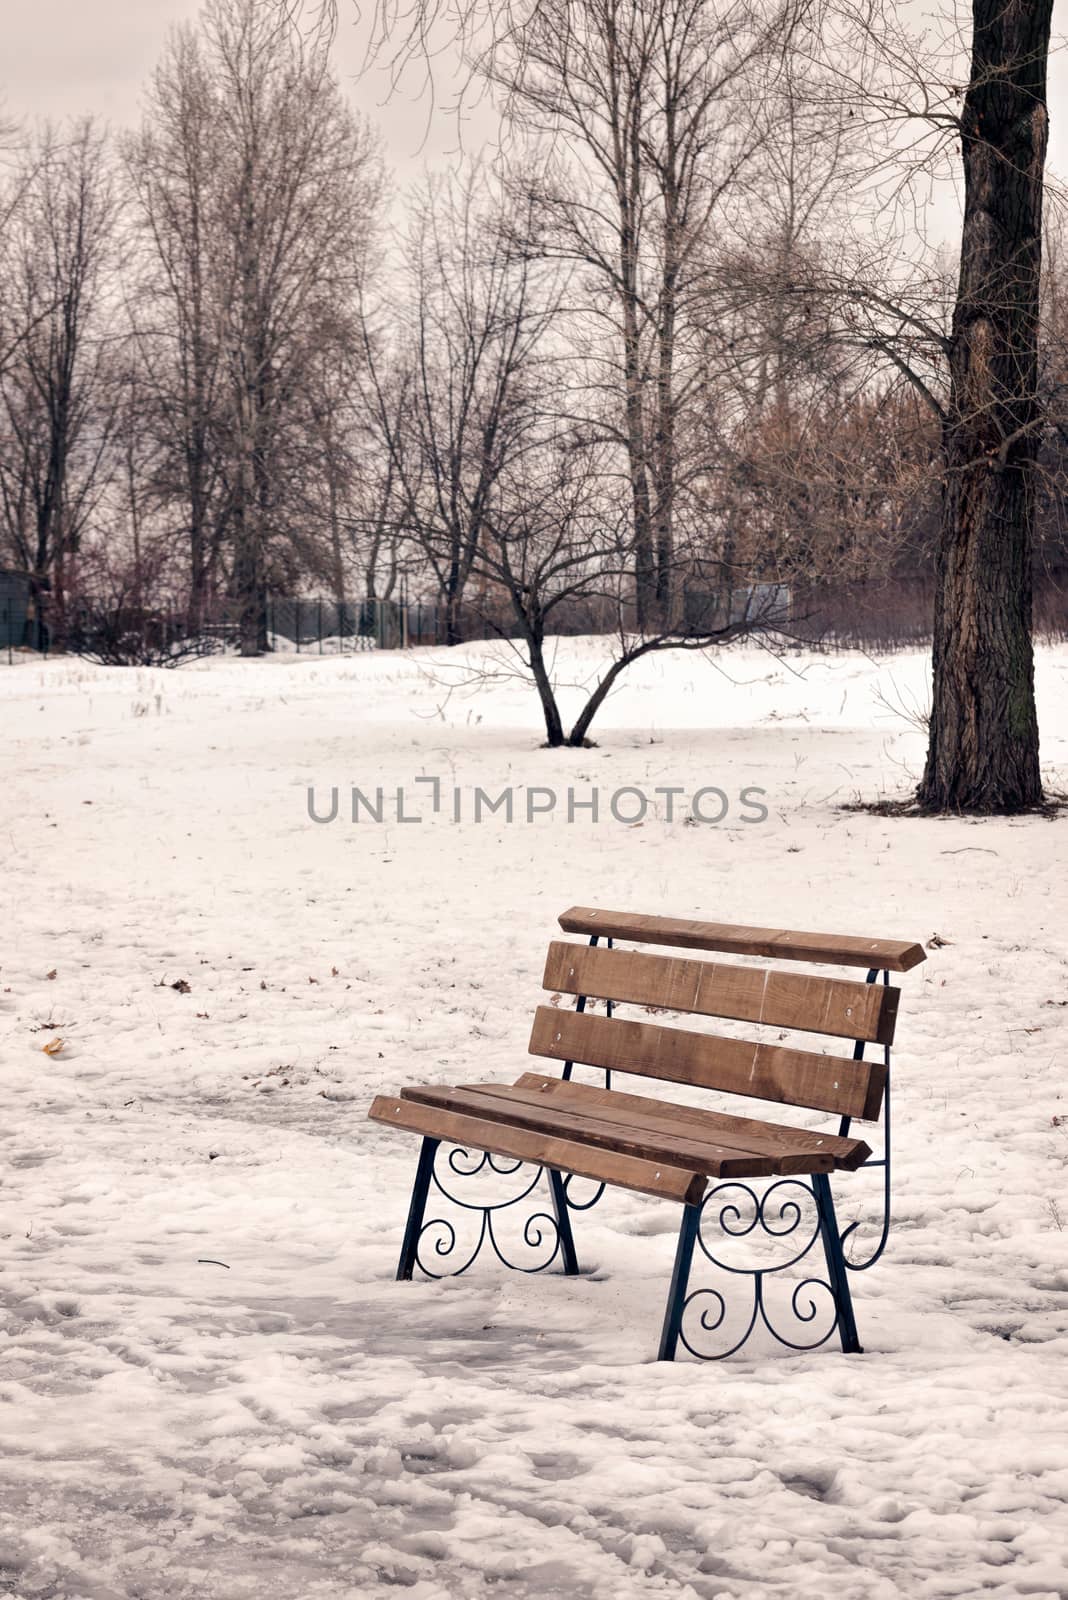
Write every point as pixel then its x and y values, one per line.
pixel 601 1127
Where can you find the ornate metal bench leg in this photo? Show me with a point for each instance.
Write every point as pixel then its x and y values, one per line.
pixel 836 1265
pixel 420 1189
pixel 563 1222
pixel 437 1241
pixel 680 1277
pixel 791 1210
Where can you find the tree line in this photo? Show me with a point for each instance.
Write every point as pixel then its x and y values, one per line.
pixel 680 346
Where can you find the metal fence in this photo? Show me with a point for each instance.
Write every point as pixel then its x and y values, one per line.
pixel 887 614
pixel 311 622
pixel 319 624
pixel 892 614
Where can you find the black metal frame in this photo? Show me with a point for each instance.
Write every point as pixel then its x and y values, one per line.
pixel 776 1221
pixel 874 1161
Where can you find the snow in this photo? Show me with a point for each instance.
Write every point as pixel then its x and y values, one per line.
pixel 211 1386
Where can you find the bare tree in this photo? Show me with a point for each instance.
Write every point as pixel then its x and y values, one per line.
pixel 56 398
pixel 971 351
pixel 558 548
pixel 508 497
pixel 983 753
pixel 16 176
pixel 477 335
pixel 1052 531
pixel 176 297
pixel 258 188
pixel 643 109
pixel 349 487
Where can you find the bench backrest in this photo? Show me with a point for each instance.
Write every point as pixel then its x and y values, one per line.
pixel 811 1003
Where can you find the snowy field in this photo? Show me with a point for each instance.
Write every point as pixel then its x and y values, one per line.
pixel 210 1385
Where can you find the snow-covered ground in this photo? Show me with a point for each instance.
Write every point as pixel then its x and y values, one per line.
pixel 210 1385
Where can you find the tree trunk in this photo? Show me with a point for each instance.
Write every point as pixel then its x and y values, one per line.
pixel 584 721
pixel 983 751
pixel 664 448
pixel 249 584
pixel 453 629
pixel 554 727
pixel 250 593
pixel 634 403
pixel 644 553
pixel 664 445
pixel 198 579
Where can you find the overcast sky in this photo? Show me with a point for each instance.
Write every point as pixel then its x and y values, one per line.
pixel 59 57
pixel 67 56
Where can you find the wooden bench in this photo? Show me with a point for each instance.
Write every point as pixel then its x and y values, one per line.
pixel 657 1146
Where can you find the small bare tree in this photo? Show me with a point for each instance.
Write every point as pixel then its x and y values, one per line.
pixel 504 494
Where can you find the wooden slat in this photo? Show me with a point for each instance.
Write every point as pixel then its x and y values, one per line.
pixel 611 1131
pixel 829 949
pixel 737 1066
pixel 837 1006
pixel 672 1132
pixel 846 1154
pixel 666 1182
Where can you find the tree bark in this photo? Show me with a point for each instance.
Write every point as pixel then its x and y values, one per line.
pixel 983 751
